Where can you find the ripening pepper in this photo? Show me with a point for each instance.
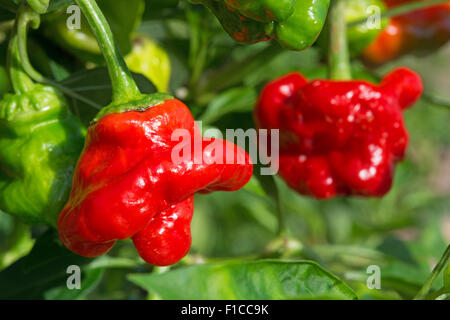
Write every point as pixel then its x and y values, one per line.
pixel 339 137
pixel 135 179
pixel 40 141
pixel 294 24
pixel 363 34
pixel 418 32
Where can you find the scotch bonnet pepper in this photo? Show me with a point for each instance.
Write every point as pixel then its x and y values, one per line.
pixel 294 24
pixel 418 32
pixel 339 137
pixel 133 180
pixel 126 184
pixel 40 141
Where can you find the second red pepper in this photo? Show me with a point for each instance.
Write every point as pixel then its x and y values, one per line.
pixel 339 137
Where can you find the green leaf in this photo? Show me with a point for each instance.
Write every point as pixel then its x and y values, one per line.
pixel 95 86
pixel 16 242
pixel 232 100
pixel 43 269
pixel 267 279
pixel 9 5
pixel 91 280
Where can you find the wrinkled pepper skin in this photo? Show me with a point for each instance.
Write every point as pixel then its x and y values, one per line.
pixel 294 24
pixel 419 32
pixel 339 137
pixel 167 237
pixel 40 142
pixel 126 184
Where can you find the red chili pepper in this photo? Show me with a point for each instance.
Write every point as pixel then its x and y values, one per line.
pixel 339 137
pixel 126 184
pixel 418 32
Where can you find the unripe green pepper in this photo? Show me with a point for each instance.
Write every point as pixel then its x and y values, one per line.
pixel 40 142
pixel 151 60
pixel 264 10
pixel 294 24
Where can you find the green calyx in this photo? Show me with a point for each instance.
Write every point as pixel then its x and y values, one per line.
pixel 294 24
pixel 139 104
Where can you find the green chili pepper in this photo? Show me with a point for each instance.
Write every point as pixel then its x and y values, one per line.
pixel 294 24
pixel 40 141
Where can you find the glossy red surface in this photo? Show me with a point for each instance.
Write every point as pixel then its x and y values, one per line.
pixel 126 177
pixel 339 137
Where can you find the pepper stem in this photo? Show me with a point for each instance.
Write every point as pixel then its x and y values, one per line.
pixel 20 80
pixel 27 17
pixel 123 85
pixel 339 56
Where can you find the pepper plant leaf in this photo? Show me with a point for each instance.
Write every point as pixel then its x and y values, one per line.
pixel 254 280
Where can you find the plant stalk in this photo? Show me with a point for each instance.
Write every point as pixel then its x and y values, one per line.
pixel 123 85
pixel 339 56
